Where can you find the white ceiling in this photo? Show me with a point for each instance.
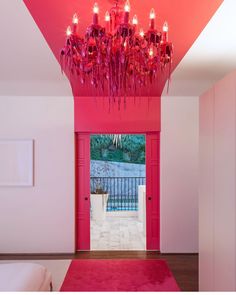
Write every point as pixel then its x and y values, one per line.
pixel 211 57
pixel 28 67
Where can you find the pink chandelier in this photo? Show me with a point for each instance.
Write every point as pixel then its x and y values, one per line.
pixel 117 58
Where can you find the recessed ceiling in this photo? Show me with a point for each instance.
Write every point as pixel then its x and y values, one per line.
pixel 30 68
pixel 27 65
pixel 186 21
pixel 211 57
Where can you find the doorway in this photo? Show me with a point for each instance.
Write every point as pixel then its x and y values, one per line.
pixel 83 241
pixel 118 192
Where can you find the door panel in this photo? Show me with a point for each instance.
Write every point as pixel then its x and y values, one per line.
pixel 153 191
pixel 83 191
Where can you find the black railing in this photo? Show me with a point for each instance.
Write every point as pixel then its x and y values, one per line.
pixel 123 191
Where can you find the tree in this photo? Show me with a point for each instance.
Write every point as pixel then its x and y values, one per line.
pixel 133 145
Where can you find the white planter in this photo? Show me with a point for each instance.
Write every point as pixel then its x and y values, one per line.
pixel 142 205
pixel 98 206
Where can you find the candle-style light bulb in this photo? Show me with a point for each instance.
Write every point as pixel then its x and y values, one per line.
pixel 152 14
pixel 95 13
pixel 127 10
pixel 107 20
pixel 141 33
pixel 135 20
pixel 107 16
pixel 68 31
pixel 127 6
pixel 165 27
pixel 152 17
pixel 151 52
pixel 75 19
pixel 96 8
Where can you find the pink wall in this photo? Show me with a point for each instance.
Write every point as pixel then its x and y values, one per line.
pixel 141 115
pixel 217 191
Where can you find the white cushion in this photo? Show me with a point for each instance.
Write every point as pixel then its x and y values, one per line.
pixel 22 276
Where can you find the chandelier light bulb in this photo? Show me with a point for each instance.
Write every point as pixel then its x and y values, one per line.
pixel 95 13
pixel 164 36
pixel 107 16
pixel 75 19
pixel 152 14
pixel 135 20
pixel 165 27
pixel 127 6
pixel 107 20
pixel 151 52
pixel 68 31
pixel 96 8
pixel 141 33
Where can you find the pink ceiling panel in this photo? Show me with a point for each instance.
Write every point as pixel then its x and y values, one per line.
pixel 186 19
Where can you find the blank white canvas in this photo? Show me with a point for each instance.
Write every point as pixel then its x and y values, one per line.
pixel 16 162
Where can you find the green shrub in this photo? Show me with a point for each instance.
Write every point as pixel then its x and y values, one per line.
pixel 131 151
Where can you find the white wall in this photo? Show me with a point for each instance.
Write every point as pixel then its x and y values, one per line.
pixel 217 193
pixel 32 69
pixel 208 60
pixel 40 219
pixel 179 175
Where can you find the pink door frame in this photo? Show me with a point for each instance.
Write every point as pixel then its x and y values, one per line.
pixel 153 191
pixel 83 190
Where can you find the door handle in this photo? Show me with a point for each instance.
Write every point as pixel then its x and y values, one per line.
pixel 149 198
pixel 86 198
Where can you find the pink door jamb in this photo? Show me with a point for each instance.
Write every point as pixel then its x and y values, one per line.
pixel 83 191
pixel 153 191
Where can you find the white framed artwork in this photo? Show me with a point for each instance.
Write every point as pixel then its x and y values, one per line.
pixel 16 162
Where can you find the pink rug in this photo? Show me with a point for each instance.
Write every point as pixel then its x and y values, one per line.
pixel 119 275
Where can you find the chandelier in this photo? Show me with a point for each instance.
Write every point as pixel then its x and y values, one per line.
pixel 115 57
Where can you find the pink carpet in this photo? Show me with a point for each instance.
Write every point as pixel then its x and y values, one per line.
pixel 119 275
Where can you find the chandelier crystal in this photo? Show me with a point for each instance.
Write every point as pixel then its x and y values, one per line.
pixel 116 58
